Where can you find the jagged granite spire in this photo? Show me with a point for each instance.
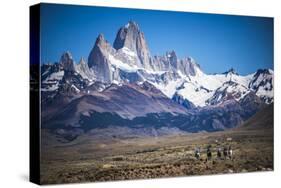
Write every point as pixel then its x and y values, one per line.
pixel 127 36
pixel 82 61
pixel 172 57
pixel 98 59
pixel 101 47
pixel 131 37
pixel 66 61
pixel 83 69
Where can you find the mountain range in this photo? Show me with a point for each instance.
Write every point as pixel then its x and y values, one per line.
pixel 125 85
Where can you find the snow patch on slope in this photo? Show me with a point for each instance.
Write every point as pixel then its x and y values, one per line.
pixel 119 64
pixel 54 77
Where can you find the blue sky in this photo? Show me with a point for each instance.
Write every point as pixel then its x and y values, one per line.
pixel 216 42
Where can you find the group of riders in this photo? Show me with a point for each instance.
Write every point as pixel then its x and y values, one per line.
pixel 225 153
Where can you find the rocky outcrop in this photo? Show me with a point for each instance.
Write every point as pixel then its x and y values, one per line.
pixel 184 102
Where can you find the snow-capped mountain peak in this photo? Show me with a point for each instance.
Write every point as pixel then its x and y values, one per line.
pixel 231 71
pixel 129 61
pixel 262 84
pixel 127 36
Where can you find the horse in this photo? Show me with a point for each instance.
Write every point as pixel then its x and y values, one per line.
pixel 197 153
pixel 225 152
pixel 219 153
pixel 209 153
pixel 230 152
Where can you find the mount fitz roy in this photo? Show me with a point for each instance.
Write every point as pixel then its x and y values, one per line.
pixel 124 85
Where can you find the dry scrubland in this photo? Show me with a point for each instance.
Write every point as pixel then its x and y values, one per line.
pixel 87 159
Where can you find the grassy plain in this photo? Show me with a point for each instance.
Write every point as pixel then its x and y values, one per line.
pixel 89 159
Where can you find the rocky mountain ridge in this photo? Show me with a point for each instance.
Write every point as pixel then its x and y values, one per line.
pixel 129 61
pixel 126 81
